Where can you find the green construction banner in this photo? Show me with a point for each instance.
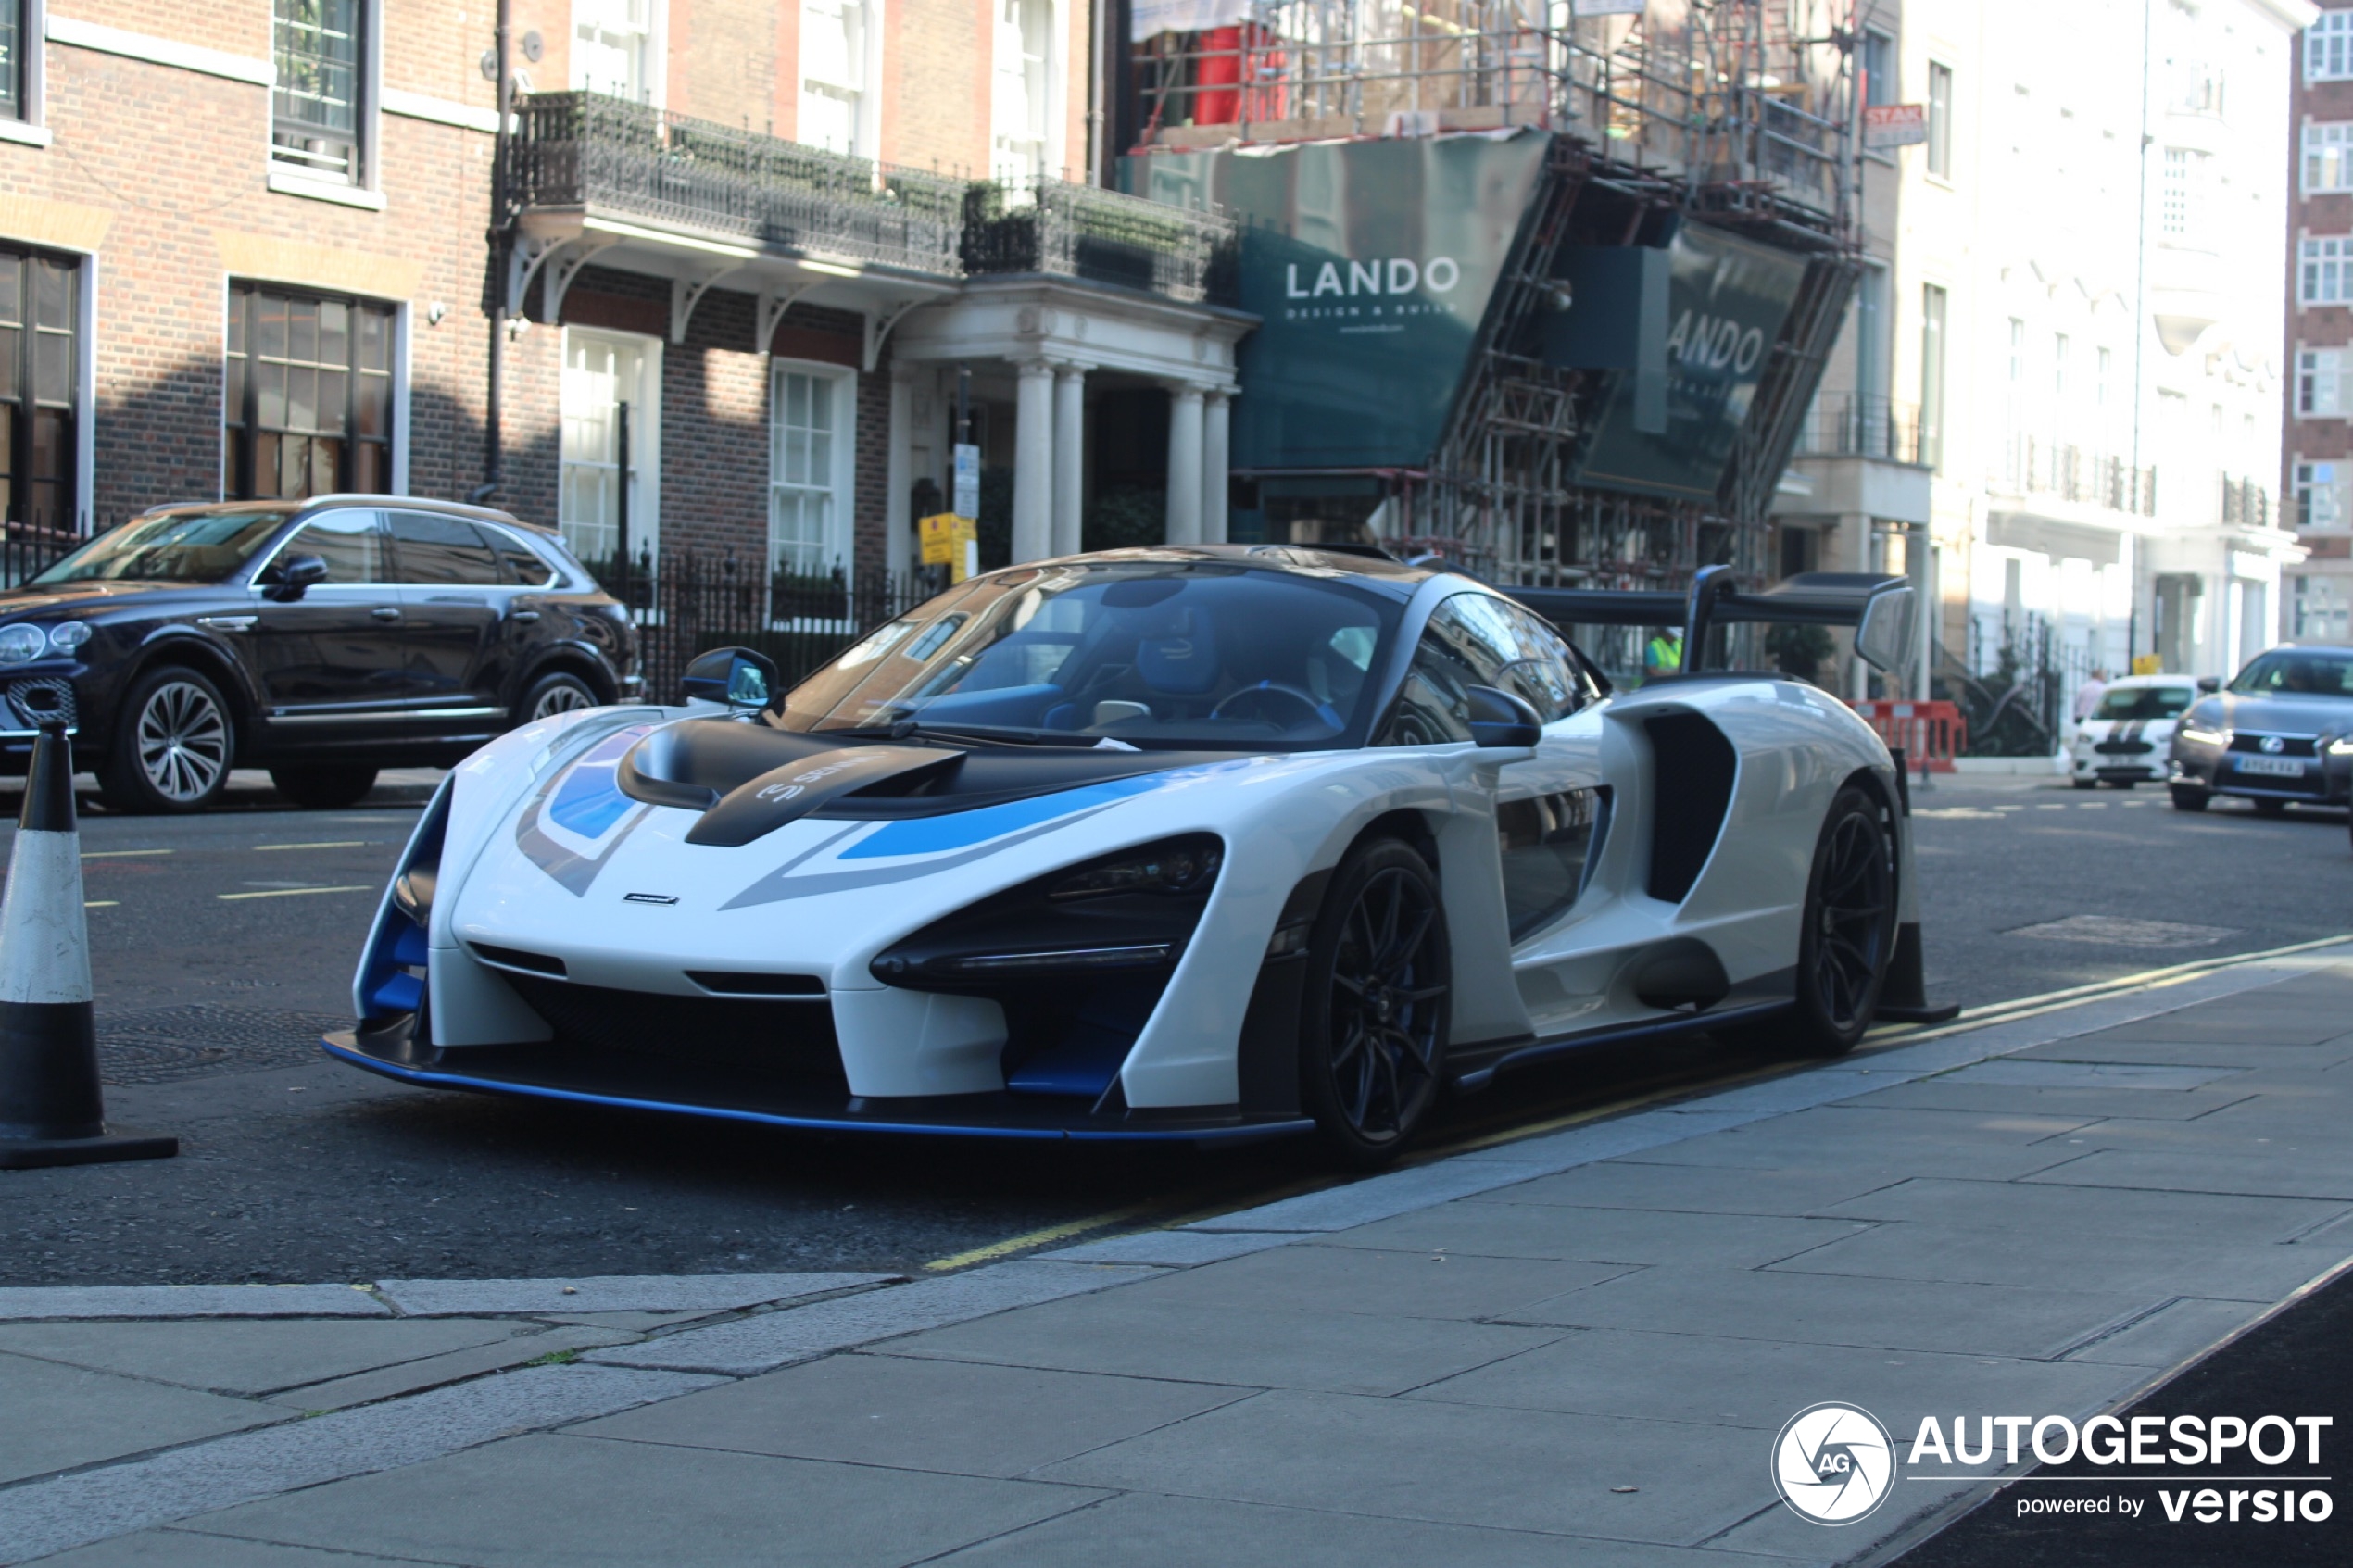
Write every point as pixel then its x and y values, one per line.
pixel 1726 300
pixel 1370 265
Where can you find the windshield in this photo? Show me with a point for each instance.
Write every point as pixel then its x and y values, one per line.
pixel 172 547
pixel 1144 653
pixel 2144 702
pixel 2297 672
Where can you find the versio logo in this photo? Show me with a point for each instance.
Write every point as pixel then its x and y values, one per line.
pixel 1833 1464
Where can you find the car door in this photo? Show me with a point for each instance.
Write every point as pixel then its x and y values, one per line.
pixel 452 598
pixel 332 655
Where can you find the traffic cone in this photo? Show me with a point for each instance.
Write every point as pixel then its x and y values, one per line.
pixel 52 1112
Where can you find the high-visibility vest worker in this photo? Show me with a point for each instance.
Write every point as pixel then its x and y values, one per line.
pixel 1662 657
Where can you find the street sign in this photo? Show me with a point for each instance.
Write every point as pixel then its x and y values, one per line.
pixel 952 542
pixel 1887 126
pixel 965 502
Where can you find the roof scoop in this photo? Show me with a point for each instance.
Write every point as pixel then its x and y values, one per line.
pixel 758 808
pixel 749 780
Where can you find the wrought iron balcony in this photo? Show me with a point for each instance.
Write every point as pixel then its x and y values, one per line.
pixel 1847 425
pixel 588 151
pixel 1047 225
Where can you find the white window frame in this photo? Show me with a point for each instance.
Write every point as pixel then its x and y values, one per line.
pixel 2324 266
pixel 841 385
pixel 1937 160
pixel 2328 47
pixel 2327 163
pixel 2320 383
pixel 866 135
pixel 365 187
pixel 1024 151
pixel 2326 479
pixel 31 125
pixel 653 62
pixel 644 431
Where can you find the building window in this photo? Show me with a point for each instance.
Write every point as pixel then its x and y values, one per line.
pixel 2319 381
pixel 1022 103
pixel 2320 612
pixel 2014 407
pixel 611 380
pixel 834 45
pixel 809 463
pixel 1879 79
pixel 2320 498
pixel 309 402
pixel 316 107
pixel 20 56
pixel 1933 302
pixel 2328 47
pixel 2327 165
pixel 2182 195
pixel 1940 120
pixel 612 44
pixel 40 380
pixel 1872 339
pixel 2325 273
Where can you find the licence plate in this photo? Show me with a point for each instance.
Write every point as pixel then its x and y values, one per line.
pixel 2272 767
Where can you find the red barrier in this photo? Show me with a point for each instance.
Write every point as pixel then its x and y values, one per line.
pixel 1926 733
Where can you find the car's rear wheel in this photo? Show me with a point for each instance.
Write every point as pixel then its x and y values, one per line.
pixel 173 744
pixel 1374 1007
pixel 325 787
pixel 559 693
pixel 1849 932
pixel 2189 797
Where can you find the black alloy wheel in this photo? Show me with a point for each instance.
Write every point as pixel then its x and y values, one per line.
pixel 325 787
pixel 173 744
pixel 2189 797
pixel 1849 932
pixel 551 695
pixel 1374 1006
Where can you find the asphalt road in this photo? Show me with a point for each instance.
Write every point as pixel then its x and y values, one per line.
pixel 222 944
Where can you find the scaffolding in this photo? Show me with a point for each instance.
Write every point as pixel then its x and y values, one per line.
pixel 1739 113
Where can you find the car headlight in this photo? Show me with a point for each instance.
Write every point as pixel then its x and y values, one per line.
pixel 2341 746
pixel 21 642
pixel 2203 737
pixel 1179 865
pixel 68 635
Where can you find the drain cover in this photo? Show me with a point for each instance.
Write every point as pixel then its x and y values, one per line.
pixel 2123 932
pixel 162 1044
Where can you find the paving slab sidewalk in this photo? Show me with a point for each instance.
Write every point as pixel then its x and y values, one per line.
pixel 1572 1348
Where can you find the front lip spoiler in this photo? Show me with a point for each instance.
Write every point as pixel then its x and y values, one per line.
pixel 1043 1123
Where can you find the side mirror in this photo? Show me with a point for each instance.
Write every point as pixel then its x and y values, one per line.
pixel 736 678
pixel 290 576
pixel 1499 719
pixel 1884 639
pixel 2209 683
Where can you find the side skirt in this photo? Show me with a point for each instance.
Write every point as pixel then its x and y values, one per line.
pixel 1515 1054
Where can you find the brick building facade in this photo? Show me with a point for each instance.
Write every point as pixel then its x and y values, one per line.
pixel 253 247
pixel 2320 391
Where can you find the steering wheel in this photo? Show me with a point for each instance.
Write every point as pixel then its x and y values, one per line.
pixel 1269 688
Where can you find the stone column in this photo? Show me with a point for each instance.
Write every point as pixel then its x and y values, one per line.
pixel 898 543
pixel 1216 441
pixel 1034 463
pixel 1184 463
pixel 1070 457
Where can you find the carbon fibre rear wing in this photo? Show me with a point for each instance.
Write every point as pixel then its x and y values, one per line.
pixel 1879 607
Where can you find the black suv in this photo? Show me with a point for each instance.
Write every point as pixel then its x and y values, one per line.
pixel 320 639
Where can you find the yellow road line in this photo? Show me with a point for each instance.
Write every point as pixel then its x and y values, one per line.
pixel 1040 1237
pixel 331 844
pixel 292 892
pixel 120 854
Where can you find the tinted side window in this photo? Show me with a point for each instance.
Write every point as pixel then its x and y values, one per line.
pixel 1431 707
pixel 1512 650
pixel 350 543
pixel 523 563
pixel 441 550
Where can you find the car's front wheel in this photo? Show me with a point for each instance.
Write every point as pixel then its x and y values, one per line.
pixel 173 744
pixel 559 693
pixel 1849 933
pixel 2189 797
pixel 325 787
pixel 1375 1008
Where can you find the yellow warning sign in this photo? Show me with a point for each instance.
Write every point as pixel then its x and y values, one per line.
pixel 952 542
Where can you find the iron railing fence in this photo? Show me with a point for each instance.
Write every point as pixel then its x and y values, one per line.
pixel 2030 465
pixel 2246 503
pixel 1048 225
pixel 589 149
pixel 26 551
pixel 1853 425
pixel 687 604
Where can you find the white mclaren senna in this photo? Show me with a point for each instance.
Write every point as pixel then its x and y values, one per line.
pixel 1191 843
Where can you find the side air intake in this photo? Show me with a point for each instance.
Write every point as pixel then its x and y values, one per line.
pixel 1692 771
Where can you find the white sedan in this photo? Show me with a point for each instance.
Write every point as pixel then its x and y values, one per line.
pixel 2127 737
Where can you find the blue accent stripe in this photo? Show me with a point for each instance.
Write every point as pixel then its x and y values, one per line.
pixel 820 1123
pixel 932 835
